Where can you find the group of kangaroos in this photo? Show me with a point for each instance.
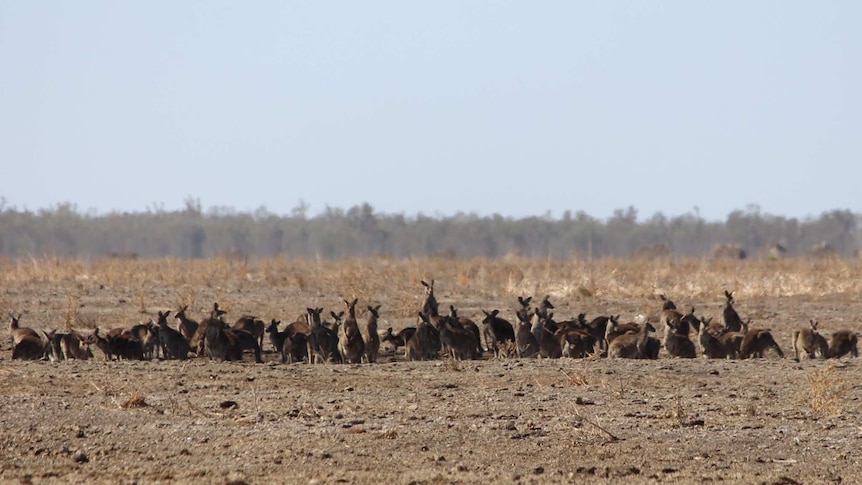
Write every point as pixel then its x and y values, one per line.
pixel 342 340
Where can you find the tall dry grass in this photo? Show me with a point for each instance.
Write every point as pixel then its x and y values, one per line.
pixel 105 292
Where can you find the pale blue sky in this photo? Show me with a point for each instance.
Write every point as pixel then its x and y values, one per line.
pixel 516 108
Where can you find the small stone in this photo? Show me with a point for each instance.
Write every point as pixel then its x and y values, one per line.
pixel 538 470
pixel 80 457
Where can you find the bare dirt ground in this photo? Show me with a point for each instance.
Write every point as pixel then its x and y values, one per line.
pixel 766 421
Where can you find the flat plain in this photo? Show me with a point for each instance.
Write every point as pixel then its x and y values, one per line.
pixel 770 420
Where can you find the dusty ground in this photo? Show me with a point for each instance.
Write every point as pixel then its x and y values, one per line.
pixel 491 421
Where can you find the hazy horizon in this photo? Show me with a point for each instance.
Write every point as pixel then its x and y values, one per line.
pixel 479 107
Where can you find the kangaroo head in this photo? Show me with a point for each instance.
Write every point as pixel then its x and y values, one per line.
pixel 667 305
pixel 813 324
pixel 729 296
pixel 525 302
pixel 429 288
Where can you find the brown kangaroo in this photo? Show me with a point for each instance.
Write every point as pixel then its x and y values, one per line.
pixel 252 325
pixel 843 342
pixel 188 326
pixel 526 343
pixel 497 331
pixel 732 322
pixel 631 345
pixel 429 306
pixel 399 339
pixel 711 346
pixel 69 346
pixel 350 342
pixel 756 342
pixel 455 340
pixel 372 346
pixel 421 344
pixel 677 343
pixel 18 332
pixel 809 341
pixel 174 345
pixel 30 347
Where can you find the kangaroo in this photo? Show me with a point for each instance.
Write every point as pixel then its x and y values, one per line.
pixel 126 347
pixel 18 332
pixel 399 339
pixel 69 346
pixel 667 304
pixel 174 345
pixel 420 345
pixel 687 322
pixel 148 335
pixel 100 342
pixel 755 343
pixel 218 344
pixel 711 346
pixel 252 325
pixel 372 347
pixel 289 343
pixel 525 342
pixel 809 341
pixel 669 315
pixel 457 341
pixel 197 342
pixel 276 337
pixel 631 345
pixel 351 344
pixel 188 327
pixel 676 343
pixel 732 322
pixel 843 342
pixel 322 341
pixel 497 331
pixel 30 347
pixel 241 340
pixel 468 325
pixel 597 327
pixel 429 306
pixel 544 306
pixel 616 329
pixel 544 330
pixel 575 340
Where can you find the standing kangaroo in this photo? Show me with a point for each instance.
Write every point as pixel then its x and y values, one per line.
pixel 188 327
pixel 372 346
pixel 809 341
pixel 429 306
pixel 174 345
pixel 732 322
pixel 351 345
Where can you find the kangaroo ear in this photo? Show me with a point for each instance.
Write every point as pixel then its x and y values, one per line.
pixel 370 309
pixel 426 285
pixel 355 301
pixel 495 312
pixel 377 308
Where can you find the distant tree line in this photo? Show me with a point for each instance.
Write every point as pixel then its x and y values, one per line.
pixel 64 231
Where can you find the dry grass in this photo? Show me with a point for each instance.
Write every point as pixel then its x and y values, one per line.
pixel 134 400
pixel 133 287
pixel 827 390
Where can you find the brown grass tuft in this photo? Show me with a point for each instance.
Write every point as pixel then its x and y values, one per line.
pixel 134 400
pixel 826 391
